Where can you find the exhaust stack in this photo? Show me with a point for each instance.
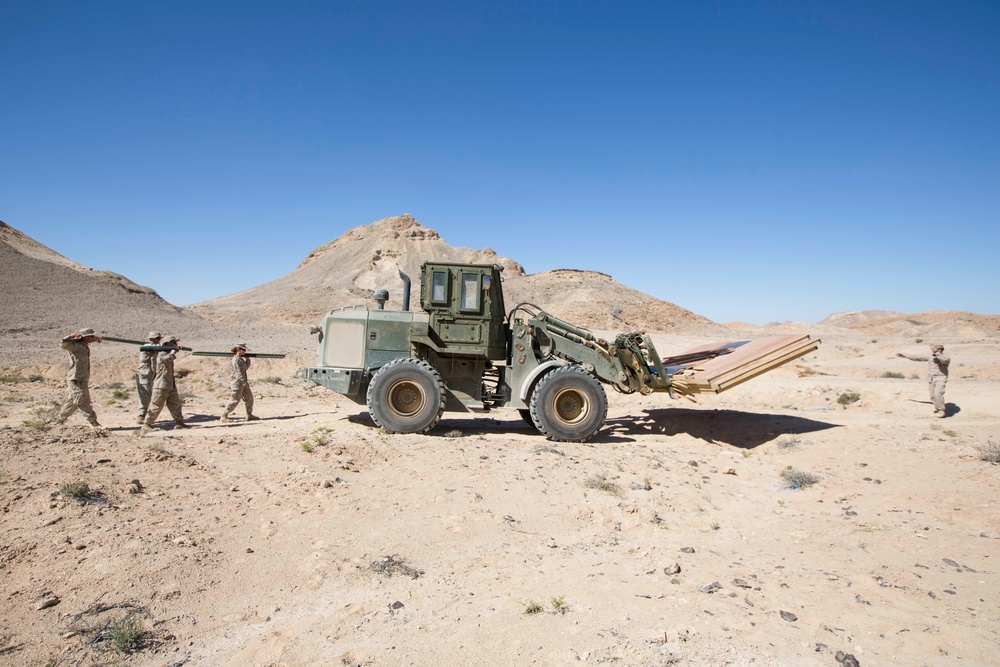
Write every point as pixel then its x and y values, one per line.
pixel 406 289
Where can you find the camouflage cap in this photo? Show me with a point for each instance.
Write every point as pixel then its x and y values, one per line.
pixel 155 334
pixel 239 346
pixel 170 339
pixel 937 346
pixel 86 332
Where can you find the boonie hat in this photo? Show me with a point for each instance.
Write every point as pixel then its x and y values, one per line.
pixel 86 332
pixel 239 346
pixel 155 334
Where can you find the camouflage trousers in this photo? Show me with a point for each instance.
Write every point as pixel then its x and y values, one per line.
pixel 144 390
pixel 240 392
pixel 79 399
pixel 936 386
pixel 160 398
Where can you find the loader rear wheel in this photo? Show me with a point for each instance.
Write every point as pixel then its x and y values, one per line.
pixel 406 396
pixel 526 416
pixel 569 404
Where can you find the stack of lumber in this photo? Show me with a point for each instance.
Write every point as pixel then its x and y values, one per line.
pixel 743 361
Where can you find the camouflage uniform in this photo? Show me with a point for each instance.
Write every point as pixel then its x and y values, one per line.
pixel 164 390
pixel 144 375
pixel 937 375
pixel 78 380
pixel 239 385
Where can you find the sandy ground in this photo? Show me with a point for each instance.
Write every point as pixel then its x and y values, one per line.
pixel 311 538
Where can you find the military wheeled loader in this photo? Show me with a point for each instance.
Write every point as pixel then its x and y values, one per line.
pixel 464 352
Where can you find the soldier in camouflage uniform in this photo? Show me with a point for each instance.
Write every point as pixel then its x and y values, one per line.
pixel 144 375
pixel 238 384
pixel 164 389
pixel 78 378
pixel 937 375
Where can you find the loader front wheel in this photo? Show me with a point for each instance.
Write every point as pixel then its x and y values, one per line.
pixel 569 404
pixel 406 396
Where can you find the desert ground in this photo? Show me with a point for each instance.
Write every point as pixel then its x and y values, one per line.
pixel 672 538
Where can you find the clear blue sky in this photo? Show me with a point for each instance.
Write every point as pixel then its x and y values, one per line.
pixel 756 161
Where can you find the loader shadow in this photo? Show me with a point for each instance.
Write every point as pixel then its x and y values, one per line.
pixel 732 427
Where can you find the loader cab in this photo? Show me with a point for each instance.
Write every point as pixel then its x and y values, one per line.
pixel 465 303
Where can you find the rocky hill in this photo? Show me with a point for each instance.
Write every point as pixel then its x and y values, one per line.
pixel 348 269
pixel 46 296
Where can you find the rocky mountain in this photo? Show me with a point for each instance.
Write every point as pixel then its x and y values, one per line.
pixel 348 269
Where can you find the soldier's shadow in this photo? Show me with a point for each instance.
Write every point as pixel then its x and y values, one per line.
pixel 950 409
pixel 732 427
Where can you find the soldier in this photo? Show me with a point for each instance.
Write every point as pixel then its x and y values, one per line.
pixel 239 385
pixel 144 376
pixel 937 375
pixel 78 378
pixel 164 389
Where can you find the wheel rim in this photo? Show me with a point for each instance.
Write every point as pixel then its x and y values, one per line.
pixel 406 398
pixel 571 406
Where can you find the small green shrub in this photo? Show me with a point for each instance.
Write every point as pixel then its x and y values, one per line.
pixel 532 608
pixel 848 397
pixel 601 483
pixel 119 394
pixel 37 424
pixel 559 605
pixel 126 634
pixel 893 375
pixel 307 446
pixel 798 479
pixel 76 490
pixel 989 452
pixel 271 379
pixel 11 379
pixel 36 378
pixel 117 385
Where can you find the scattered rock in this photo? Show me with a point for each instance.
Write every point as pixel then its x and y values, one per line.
pixel 672 569
pixel 730 471
pixel 135 486
pixel 693 464
pixel 47 600
pixel 847 659
pixel 741 583
pixel 789 616
pixel 711 588
pixel 642 487
pixel 396 605
pixel 948 561
pixel 687 550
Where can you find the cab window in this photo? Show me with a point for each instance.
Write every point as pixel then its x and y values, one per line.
pixel 470 292
pixel 439 287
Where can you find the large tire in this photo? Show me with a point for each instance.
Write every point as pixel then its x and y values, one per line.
pixel 569 404
pixel 406 396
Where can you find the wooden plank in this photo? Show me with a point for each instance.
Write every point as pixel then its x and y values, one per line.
pixel 747 362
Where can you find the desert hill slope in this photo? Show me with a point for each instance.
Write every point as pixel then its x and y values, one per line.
pixel 46 296
pixel 348 269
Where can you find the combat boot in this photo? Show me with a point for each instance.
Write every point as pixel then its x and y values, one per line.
pixel 252 418
pixel 144 429
pixel 224 417
pixel 181 425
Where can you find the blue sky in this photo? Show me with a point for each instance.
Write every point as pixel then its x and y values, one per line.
pixel 754 161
